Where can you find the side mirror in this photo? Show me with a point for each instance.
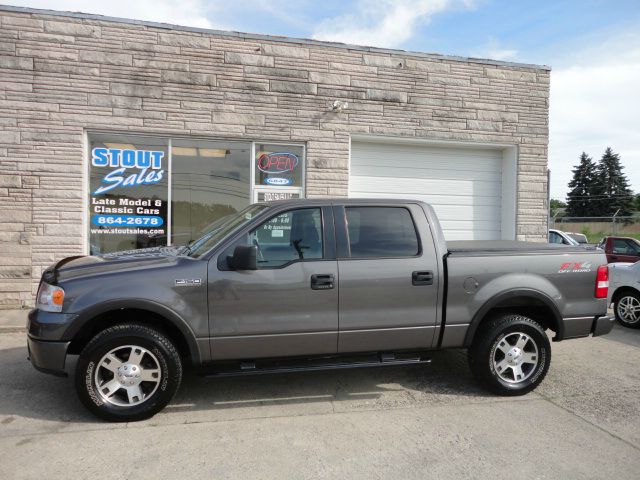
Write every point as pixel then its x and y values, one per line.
pixel 245 257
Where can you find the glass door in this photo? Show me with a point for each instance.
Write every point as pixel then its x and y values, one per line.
pixel 278 172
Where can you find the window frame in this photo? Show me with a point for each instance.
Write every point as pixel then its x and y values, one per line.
pixel 169 137
pixel 343 246
pixel 328 237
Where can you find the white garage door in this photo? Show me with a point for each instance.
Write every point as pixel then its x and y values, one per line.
pixel 464 185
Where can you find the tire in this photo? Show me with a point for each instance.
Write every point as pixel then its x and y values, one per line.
pixel 511 355
pixel 627 309
pixel 128 372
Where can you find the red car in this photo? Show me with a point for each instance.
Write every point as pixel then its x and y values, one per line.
pixel 620 249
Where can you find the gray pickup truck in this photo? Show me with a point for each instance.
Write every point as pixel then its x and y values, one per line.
pixel 306 285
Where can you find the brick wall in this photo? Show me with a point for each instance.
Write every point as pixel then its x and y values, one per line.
pixel 60 75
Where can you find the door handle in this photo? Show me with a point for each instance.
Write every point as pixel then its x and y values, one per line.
pixel 422 278
pixel 322 281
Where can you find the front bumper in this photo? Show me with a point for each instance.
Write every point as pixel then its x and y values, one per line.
pixel 48 357
pixel 47 350
pixel 602 325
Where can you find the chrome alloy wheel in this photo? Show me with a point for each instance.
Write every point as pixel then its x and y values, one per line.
pixel 629 309
pixel 515 357
pixel 127 376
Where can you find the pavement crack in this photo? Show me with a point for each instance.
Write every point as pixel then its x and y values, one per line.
pixel 586 420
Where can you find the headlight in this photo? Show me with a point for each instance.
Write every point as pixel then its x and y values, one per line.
pixel 50 298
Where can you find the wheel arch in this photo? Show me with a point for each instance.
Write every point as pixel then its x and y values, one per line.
pixel 622 290
pixel 98 317
pixel 531 303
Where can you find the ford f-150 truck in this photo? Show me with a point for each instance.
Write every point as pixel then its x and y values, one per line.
pixel 305 285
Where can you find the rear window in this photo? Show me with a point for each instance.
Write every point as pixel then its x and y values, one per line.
pixel 376 232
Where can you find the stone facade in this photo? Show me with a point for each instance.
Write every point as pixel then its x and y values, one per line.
pixel 61 74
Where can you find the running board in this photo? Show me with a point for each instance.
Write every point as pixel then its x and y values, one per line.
pixel 250 368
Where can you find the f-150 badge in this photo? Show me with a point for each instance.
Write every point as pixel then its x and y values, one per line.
pixel 188 282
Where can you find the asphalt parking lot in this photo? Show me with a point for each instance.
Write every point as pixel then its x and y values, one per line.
pixel 395 422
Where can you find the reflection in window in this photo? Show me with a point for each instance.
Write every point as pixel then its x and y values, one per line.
pixel 210 179
pixel 293 235
pixel 381 232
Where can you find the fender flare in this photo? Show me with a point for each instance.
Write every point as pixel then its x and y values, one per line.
pixel 113 305
pixel 506 295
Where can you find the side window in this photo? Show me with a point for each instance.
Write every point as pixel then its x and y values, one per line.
pixel 619 246
pixel 376 232
pixel 293 235
pixel 632 248
pixel 554 238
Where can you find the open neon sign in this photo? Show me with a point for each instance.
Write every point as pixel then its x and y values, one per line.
pixel 277 162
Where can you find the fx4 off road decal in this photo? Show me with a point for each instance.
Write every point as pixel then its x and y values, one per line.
pixel 575 267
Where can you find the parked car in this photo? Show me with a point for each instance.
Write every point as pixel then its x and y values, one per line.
pixel 581 238
pixel 562 238
pixel 620 249
pixel 624 293
pixel 306 285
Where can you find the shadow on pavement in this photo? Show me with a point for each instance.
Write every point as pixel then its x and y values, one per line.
pixel 29 393
pixel 628 336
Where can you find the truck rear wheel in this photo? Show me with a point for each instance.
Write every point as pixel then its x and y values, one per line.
pixel 511 355
pixel 128 372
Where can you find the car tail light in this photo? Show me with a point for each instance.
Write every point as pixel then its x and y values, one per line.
pixel 602 282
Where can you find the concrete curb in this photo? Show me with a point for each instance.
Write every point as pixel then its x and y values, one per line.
pixel 12 329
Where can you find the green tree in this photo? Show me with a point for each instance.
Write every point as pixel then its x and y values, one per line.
pixel 580 200
pixel 555 205
pixel 613 187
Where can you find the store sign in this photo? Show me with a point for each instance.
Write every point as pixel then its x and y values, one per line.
pixel 278 181
pixel 277 162
pixel 272 196
pixel 131 168
pixel 125 200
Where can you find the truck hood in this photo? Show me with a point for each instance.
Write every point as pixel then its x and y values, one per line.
pixel 89 265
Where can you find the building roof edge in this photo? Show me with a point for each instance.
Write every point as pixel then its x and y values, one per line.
pixel 272 38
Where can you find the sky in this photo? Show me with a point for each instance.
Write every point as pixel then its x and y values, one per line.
pixel 593 47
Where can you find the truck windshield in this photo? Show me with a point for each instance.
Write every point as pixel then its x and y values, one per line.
pixel 221 228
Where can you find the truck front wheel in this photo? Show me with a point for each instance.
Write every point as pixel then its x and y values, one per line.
pixel 511 355
pixel 128 372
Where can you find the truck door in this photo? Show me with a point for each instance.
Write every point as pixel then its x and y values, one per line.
pixel 388 278
pixel 289 306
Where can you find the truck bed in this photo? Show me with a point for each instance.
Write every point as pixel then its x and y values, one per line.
pixel 511 247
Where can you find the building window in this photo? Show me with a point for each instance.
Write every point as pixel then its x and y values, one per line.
pixel 209 180
pixel 278 172
pixel 128 192
pixel 148 191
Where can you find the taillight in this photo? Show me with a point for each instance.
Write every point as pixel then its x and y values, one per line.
pixel 602 282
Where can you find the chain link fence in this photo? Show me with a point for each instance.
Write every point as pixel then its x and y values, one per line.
pixel 597 227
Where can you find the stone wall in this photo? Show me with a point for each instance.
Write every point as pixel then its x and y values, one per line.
pixel 61 74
